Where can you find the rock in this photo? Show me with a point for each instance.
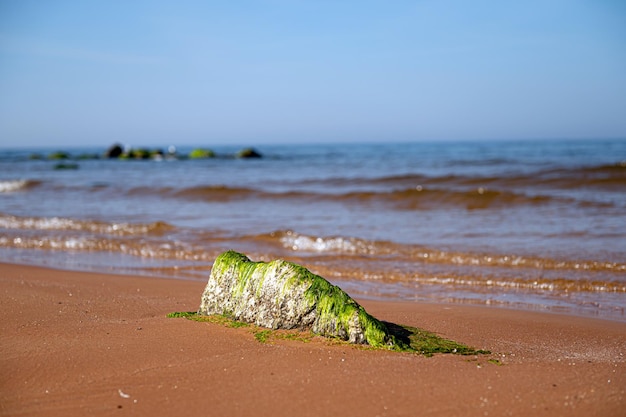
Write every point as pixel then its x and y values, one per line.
pixel 115 151
pixel 86 156
pixel 248 153
pixel 65 166
pixel 201 154
pixel 58 155
pixel 284 295
pixel 139 153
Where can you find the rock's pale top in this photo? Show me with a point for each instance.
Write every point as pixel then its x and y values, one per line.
pixel 284 295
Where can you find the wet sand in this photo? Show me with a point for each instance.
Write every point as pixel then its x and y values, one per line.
pixel 75 343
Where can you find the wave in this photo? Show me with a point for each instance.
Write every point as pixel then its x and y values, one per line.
pixel 133 247
pixel 596 176
pixel 418 191
pixel 217 193
pixel 302 243
pixel 608 177
pixel 7 186
pixel 160 239
pixel 209 193
pixel 342 268
pixel 551 285
pixel 414 198
pixel 336 257
pixel 600 176
pixel 409 191
pixel 344 245
pixel 421 197
pixel 65 224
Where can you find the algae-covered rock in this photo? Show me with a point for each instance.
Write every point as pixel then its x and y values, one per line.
pixel 65 166
pixel 284 295
pixel 248 153
pixel 201 154
pixel 139 153
pixel 58 155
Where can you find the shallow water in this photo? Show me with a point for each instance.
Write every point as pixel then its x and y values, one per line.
pixel 533 225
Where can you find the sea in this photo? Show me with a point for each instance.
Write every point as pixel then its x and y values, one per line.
pixel 532 225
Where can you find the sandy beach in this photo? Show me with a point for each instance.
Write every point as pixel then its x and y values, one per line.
pixel 76 343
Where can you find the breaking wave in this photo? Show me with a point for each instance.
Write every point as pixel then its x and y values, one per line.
pixel 302 243
pixel 415 198
pixel 61 224
pixel 7 186
pixel 133 247
pixel 600 176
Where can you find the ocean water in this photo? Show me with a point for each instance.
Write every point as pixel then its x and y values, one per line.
pixel 530 225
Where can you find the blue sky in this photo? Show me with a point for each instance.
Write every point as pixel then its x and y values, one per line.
pixel 254 72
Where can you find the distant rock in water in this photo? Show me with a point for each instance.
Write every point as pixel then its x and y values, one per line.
pixel 115 151
pixel 284 295
pixel 66 166
pixel 248 153
pixel 139 153
pixel 86 156
pixel 58 155
pixel 201 154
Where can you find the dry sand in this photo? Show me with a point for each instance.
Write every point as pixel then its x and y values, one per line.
pixel 75 343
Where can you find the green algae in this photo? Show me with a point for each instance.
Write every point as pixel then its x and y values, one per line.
pixel 262 335
pixel 268 336
pixel 248 153
pixel 428 343
pixel 335 304
pixel 179 314
pixel 408 339
pixel 200 153
pixel 221 319
pixel 58 155
pixel 246 268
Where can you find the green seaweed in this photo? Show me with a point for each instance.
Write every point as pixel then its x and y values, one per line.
pixel 222 319
pixel 248 153
pixel 179 314
pixel 428 343
pixel 334 303
pixel 268 335
pixel 407 339
pixel 58 155
pixel 299 336
pixel 246 268
pixel 262 335
pixel 200 153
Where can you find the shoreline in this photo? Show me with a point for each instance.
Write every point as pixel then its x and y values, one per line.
pixel 350 286
pixel 95 343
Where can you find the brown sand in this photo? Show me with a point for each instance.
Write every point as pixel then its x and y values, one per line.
pixel 75 343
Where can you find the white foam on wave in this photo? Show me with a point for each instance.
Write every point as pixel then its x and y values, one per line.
pixel 133 246
pixel 8 186
pixel 299 242
pixel 59 223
